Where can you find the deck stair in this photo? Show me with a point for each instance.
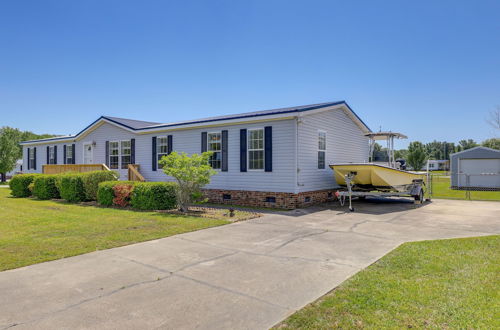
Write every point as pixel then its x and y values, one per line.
pixel 134 174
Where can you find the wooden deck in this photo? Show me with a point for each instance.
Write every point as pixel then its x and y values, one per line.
pixel 80 168
pixel 133 169
pixel 134 174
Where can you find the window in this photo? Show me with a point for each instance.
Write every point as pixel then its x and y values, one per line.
pixel 31 161
pixel 256 149
pixel 214 145
pixel 114 155
pixel 126 154
pixel 161 148
pixel 52 155
pixel 321 149
pixel 69 154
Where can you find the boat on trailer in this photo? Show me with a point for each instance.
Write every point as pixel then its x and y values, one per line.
pixel 379 179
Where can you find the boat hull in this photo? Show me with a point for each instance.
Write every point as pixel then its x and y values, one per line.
pixel 375 177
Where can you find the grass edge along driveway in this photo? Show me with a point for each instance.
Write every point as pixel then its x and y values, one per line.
pixel 34 231
pixel 430 284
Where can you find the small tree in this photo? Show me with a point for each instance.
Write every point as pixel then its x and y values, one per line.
pixel 416 155
pixel 191 172
pixel 9 150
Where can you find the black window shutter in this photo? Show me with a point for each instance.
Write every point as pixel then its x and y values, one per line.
pixel 48 160
pixel 154 160
pixel 132 151
pixel 64 154
pixel 169 144
pixel 203 141
pixel 73 150
pixel 268 148
pixel 34 165
pixel 28 161
pixel 107 154
pixel 224 151
pixel 55 154
pixel 243 150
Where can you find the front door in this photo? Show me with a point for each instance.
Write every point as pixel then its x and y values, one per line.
pixel 88 154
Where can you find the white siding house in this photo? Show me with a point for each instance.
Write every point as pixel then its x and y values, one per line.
pixel 266 157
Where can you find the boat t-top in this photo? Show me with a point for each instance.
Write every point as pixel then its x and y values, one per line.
pixel 379 178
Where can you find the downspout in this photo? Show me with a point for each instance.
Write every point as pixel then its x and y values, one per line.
pixel 297 122
pixel 296 154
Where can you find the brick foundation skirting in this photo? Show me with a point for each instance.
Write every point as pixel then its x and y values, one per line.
pixel 269 199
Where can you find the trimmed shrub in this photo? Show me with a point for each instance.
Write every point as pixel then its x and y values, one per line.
pixel 105 192
pixel 154 196
pixel 122 193
pixel 71 187
pixel 19 184
pixel 91 182
pixel 44 187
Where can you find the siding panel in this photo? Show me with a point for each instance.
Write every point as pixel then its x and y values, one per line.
pixel 282 179
pixel 345 142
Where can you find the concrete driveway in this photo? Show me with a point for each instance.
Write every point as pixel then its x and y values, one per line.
pixel 248 275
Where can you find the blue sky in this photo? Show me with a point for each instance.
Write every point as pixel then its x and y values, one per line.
pixel 430 69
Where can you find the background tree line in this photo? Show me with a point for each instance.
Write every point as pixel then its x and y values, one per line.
pixel 418 153
pixel 10 150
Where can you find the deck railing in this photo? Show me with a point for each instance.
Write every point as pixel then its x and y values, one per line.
pixel 134 174
pixel 56 169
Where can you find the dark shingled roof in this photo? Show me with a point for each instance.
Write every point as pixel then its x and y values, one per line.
pixel 132 123
pixel 253 114
pixel 141 125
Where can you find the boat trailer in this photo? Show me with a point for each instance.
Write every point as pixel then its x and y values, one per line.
pixel 415 190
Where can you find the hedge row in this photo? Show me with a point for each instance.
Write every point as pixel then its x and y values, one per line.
pixel 139 195
pixel 45 187
pixel 73 187
pixel 19 184
pixel 98 185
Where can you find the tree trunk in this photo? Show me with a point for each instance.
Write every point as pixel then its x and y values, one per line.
pixel 3 176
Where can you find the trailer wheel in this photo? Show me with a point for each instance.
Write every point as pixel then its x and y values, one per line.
pixel 420 196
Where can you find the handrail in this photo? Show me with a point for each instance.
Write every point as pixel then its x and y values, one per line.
pixel 133 173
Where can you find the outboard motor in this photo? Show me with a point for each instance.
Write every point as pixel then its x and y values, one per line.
pixel 401 164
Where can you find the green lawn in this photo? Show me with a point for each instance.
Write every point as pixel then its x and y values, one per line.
pixel 33 231
pixel 445 284
pixel 441 189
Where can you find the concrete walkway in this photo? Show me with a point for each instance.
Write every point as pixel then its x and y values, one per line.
pixel 248 275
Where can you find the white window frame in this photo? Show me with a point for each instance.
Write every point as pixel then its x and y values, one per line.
pixel 160 153
pixel 216 151
pixel 321 150
pixel 263 149
pixel 110 155
pixel 31 159
pixel 123 155
pixel 52 158
pixel 69 155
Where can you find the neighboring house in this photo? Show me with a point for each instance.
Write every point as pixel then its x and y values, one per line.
pixel 275 158
pixel 476 169
pixel 439 165
pixel 16 170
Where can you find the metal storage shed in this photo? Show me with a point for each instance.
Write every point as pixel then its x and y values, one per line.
pixel 475 169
